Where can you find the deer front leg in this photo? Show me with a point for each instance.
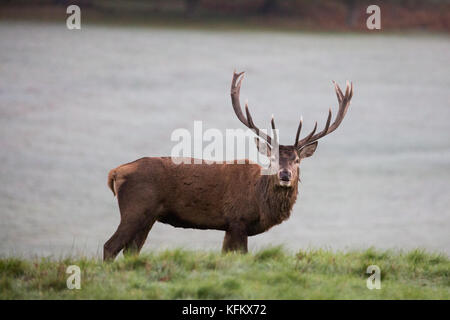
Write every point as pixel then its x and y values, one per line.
pixel 235 239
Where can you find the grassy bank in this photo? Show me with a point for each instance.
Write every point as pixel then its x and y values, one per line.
pixel 268 274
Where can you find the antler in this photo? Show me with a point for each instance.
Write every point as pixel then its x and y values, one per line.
pixel 247 121
pixel 344 103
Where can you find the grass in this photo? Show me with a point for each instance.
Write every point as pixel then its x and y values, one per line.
pixel 272 273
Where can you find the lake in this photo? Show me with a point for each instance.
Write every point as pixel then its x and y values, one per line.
pixel 75 104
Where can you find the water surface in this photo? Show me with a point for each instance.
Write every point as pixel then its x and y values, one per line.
pixel 74 104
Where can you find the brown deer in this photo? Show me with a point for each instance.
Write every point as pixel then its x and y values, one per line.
pixel 235 198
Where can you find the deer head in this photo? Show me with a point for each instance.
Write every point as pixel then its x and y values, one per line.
pixel 289 157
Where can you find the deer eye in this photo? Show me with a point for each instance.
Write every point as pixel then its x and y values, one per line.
pixel 297 160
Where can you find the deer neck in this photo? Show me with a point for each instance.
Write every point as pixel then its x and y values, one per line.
pixel 276 201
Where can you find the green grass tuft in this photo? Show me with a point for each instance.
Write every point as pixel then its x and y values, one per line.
pixel 271 273
pixel 12 267
pixel 272 253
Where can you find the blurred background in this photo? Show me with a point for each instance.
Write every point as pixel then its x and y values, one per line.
pixel 76 103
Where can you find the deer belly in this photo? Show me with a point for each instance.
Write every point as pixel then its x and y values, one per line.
pixel 193 220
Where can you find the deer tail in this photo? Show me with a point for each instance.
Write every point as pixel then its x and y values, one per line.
pixel 111 179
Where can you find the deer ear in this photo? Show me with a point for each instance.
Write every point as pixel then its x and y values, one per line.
pixel 263 147
pixel 308 150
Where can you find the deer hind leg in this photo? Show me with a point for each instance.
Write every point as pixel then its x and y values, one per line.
pixel 235 239
pixel 125 233
pixel 135 245
pixel 138 214
pixel 130 236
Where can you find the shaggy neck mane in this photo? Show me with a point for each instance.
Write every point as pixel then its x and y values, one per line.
pixel 277 201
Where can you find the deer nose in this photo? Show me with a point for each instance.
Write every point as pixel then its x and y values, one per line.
pixel 284 175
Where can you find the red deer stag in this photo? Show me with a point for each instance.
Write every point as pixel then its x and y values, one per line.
pixel 235 198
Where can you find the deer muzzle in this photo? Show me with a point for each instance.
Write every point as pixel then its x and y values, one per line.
pixel 284 177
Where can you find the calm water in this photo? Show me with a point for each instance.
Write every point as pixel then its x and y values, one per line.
pixel 74 104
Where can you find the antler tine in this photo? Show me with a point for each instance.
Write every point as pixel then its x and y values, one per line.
pixel 275 137
pixel 235 91
pixel 252 126
pixel 351 90
pixel 339 94
pixel 320 134
pixel 344 103
pixel 327 125
pixel 297 136
pixel 305 140
pixel 250 119
pixel 343 106
pixel 247 121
